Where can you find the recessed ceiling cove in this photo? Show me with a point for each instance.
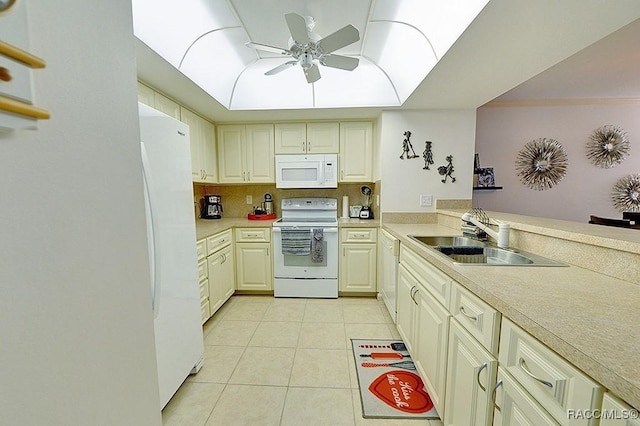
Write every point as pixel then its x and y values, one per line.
pixel 244 53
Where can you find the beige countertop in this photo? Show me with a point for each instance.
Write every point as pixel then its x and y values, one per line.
pixel 589 318
pixel 207 227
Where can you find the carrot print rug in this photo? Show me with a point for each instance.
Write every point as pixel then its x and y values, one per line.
pixel 390 386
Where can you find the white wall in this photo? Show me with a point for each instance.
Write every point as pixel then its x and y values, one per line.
pixel 76 329
pixel 403 181
pixel 586 189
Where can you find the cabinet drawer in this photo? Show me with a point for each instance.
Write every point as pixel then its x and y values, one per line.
pixel 217 241
pixel 477 317
pixel 253 235
pixel 203 271
pixel 204 311
pixel 548 377
pixel 617 413
pixel 438 283
pixel 358 235
pixel 201 248
pixel 204 289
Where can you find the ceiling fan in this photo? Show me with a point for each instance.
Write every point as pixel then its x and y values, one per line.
pixel 308 49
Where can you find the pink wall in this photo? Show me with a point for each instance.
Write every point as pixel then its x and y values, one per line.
pixel 586 189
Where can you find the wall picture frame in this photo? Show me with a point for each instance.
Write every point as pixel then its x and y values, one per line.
pixel 486 177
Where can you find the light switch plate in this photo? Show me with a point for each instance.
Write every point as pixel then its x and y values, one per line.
pixel 426 200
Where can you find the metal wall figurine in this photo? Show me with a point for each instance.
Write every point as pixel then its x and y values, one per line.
pixel 447 171
pixel 406 146
pixel 427 155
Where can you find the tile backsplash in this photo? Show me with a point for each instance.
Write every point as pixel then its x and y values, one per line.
pixel 235 205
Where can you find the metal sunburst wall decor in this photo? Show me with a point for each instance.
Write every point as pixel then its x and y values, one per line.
pixel 542 163
pixel 626 194
pixel 607 146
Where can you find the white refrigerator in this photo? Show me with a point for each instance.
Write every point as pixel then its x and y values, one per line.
pixel 175 293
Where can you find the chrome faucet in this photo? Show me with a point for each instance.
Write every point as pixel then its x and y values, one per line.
pixel 501 237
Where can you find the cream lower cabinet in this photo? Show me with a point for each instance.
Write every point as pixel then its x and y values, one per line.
pixel 203 278
pixel 471 377
pixel 423 321
pixel 552 381
pixel 221 277
pixel 617 413
pixel 254 264
pixel 358 269
pixel 220 267
pixel 514 406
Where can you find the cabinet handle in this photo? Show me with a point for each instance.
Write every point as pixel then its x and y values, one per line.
pixel 248 176
pixel 267 251
pixel 223 257
pixel 482 367
pixel 341 174
pixel 523 365
pixel 359 235
pixel 413 293
pixel 493 395
pixel 471 317
pixel 308 146
pixel 253 235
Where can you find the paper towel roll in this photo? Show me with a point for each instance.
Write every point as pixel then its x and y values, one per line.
pixel 345 207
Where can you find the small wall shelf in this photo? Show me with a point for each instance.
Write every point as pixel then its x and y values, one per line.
pixel 486 188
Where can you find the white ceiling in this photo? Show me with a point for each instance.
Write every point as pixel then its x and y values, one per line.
pixel 510 42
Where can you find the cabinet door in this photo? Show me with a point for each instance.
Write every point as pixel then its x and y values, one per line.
pixel 145 94
pixel 406 306
pixel 166 105
pixel 514 406
pixel 291 138
pixel 430 346
pixel 231 154
pixel 323 138
pixel 617 413
pixel 214 263
pixel 471 377
pixel 227 274
pixel 191 120
pixel 358 268
pixel 260 159
pixel 356 152
pixel 209 157
pixel 253 266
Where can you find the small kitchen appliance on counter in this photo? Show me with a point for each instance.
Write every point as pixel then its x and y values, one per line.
pixel 365 211
pixel 212 207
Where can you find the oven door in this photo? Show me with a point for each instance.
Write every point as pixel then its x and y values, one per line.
pixel 303 265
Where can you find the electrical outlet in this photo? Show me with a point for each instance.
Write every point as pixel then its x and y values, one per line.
pixel 249 199
pixel 426 200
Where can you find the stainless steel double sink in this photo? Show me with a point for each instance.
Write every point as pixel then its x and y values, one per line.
pixel 468 251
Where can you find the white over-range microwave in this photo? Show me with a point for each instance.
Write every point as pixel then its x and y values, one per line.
pixel 307 171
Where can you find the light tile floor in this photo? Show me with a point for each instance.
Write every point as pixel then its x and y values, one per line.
pixel 275 361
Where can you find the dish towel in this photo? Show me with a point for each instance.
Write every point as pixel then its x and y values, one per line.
pixel 317 246
pixel 296 242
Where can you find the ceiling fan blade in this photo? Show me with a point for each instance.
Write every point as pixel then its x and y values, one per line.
pixel 297 28
pixel 312 73
pixel 267 48
pixel 281 68
pixel 342 62
pixel 341 38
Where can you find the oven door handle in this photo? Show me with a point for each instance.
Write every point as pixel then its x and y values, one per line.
pixel 279 229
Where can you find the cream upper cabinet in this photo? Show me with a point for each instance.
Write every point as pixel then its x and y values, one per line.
pixel 307 138
pixel 203 147
pixel 145 94
pixel 356 152
pixel 150 97
pixel 246 153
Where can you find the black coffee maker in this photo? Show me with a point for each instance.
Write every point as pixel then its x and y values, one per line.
pixel 212 208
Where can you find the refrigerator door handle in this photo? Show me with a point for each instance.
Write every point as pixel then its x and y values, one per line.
pixel 154 258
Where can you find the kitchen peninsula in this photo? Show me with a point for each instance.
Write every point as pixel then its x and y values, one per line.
pixel 586 312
